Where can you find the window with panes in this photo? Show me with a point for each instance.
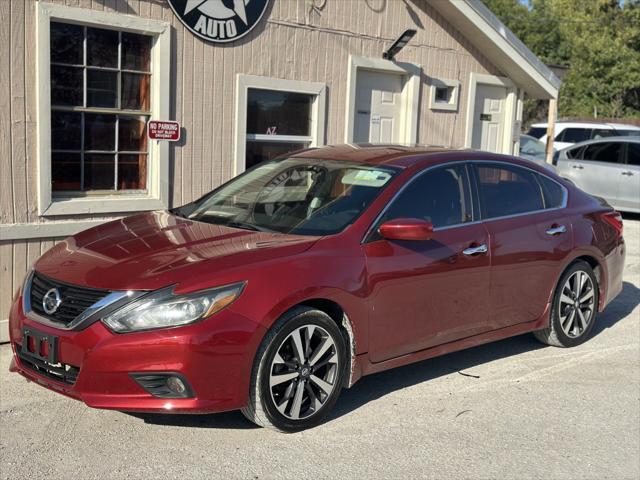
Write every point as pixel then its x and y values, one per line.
pixel 100 105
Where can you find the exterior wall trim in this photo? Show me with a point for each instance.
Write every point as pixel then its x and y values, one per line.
pixel 245 82
pixel 158 159
pixel 28 231
pixel 410 93
pixel 510 107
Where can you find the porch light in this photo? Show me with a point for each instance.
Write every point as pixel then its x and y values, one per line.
pixel 398 44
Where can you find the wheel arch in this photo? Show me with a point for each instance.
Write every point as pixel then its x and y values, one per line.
pixel 597 265
pixel 337 313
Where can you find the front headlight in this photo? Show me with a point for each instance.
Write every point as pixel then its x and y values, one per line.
pixel 163 309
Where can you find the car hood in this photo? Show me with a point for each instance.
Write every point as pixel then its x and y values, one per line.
pixel 157 249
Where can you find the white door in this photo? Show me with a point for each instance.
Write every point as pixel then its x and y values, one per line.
pixel 378 107
pixel 488 118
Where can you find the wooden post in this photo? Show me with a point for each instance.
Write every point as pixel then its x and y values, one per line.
pixel 551 129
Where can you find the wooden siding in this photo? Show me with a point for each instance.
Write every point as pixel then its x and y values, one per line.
pixel 294 41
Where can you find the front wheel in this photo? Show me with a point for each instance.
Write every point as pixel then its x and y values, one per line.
pixel 298 372
pixel 575 304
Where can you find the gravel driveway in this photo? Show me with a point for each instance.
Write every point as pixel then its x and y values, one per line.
pixel 512 409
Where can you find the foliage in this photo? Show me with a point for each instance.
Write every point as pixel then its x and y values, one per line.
pixel 599 40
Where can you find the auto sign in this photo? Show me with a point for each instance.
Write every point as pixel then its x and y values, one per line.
pixel 219 21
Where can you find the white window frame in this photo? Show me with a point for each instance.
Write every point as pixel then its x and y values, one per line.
pixel 157 195
pixel 452 104
pixel 410 94
pixel 318 113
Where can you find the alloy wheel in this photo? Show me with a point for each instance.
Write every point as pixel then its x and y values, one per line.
pixel 576 304
pixel 304 372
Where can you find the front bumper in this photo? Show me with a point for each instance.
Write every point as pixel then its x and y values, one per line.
pixel 215 355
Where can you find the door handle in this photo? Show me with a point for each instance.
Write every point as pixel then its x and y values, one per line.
pixel 556 230
pixel 628 173
pixel 579 167
pixel 475 250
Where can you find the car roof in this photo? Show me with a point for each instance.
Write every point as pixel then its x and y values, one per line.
pixel 589 124
pixel 604 140
pixel 395 155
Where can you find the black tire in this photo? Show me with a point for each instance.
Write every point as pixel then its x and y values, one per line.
pixel 555 334
pixel 261 408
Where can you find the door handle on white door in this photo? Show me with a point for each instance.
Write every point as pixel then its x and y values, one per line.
pixel 579 167
pixel 628 173
pixel 475 250
pixel 556 230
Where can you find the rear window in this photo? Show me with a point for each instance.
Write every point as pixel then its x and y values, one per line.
pixel 553 193
pixel 574 135
pixel 537 132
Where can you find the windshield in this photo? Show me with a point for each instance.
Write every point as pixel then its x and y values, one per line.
pixel 293 195
pixel 537 132
pixel 531 146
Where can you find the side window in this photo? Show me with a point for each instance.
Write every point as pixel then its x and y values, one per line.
pixel 575 152
pixel 574 135
pixel 508 190
pixel 602 133
pixel 603 152
pixel 633 155
pixel 553 193
pixel 439 196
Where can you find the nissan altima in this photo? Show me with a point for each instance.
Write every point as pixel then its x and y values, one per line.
pixel 290 282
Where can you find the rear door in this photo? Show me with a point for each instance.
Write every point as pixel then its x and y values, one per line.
pixel 530 235
pixel 597 169
pixel 425 293
pixel 629 182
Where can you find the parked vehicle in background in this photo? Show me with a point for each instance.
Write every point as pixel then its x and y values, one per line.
pixel 276 290
pixel 570 133
pixel 606 168
pixel 534 150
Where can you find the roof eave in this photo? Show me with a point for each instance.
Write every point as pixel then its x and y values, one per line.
pixel 501 47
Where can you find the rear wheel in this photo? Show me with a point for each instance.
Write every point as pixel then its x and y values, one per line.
pixel 299 372
pixel 575 304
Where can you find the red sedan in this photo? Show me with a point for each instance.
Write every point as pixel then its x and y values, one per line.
pixel 276 290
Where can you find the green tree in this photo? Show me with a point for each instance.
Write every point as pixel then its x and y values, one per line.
pixel 599 40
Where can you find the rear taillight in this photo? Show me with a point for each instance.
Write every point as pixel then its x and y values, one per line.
pixel 615 220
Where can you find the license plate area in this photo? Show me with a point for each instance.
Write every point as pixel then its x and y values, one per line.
pixel 40 346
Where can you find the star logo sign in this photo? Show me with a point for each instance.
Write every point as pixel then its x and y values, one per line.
pixel 219 21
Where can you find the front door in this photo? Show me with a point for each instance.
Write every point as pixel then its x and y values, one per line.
pixel 489 116
pixel 426 293
pixel 598 169
pixel 378 107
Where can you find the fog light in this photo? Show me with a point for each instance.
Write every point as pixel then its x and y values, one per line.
pixel 164 384
pixel 176 385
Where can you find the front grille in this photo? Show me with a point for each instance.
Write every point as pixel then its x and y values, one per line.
pixel 75 299
pixel 61 372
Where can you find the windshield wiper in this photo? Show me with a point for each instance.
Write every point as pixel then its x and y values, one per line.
pixel 248 226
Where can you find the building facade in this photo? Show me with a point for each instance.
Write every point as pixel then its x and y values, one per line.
pixel 80 79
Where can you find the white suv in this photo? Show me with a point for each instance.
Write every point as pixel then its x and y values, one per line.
pixel 568 133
